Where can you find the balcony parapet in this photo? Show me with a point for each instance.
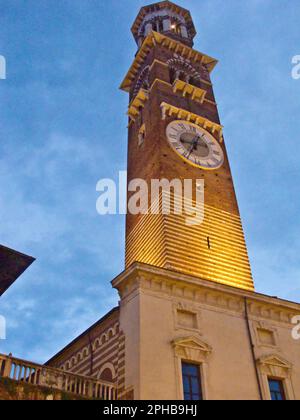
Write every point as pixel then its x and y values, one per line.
pixel 23 371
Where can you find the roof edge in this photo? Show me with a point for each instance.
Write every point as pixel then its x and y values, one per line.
pixel 106 316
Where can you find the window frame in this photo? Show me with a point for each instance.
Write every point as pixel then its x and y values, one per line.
pixel 191 350
pixel 280 381
pixel 273 366
pixel 199 380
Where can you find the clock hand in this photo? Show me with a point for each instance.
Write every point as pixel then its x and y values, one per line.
pixel 197 139
pixel 187 141
pixel 194 144
pixel 189 151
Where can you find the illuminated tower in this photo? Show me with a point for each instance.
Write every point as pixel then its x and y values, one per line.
pixel 180 331
pixel 175 133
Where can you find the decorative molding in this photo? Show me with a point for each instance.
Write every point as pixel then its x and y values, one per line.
pixel 84 353
pixel 185 89
pixel 188 308
pixel 185 51
pixel 109 366
pixel 141 135
pixel 183 114
pixel 143 80
pixel 275 366
pixel 159 81
pixel 156 61
pixel 191 349
pixel 264 326
pixel 179 63
pixel 137 103
pixel 258 309
pixel 175 285
pixel 155 38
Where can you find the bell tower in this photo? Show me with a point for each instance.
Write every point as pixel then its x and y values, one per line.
pixel 175 133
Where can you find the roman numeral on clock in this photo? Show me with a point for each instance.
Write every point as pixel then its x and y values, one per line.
pixel 216 153
pixel 182 126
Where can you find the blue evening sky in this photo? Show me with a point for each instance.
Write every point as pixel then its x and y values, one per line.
pixel 63 127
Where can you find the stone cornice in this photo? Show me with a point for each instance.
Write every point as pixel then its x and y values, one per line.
pixel 155 38
pixel 183 114
pixel 181 286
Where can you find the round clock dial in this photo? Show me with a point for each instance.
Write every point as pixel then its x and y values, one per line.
pixel 195 145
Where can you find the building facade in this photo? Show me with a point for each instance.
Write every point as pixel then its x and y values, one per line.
pixel 189 325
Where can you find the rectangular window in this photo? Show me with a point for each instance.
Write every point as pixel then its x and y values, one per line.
pixel 191 382
pixel 276 390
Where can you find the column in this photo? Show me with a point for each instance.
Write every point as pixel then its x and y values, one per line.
pixel 148 28
pixel 184 32
pixel 7 368
pixel 140 41
pixel 167 24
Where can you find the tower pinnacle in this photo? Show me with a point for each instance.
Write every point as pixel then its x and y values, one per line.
pixel 167 18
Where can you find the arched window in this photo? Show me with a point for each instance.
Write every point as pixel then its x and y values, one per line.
pixel 107 372
pixel 183 70
pixel 178 74
pixel 176 27
pixel 184 76
pixel 145 85
pixel 143 81
pixel 172 75
pixel 149 27
pixel 160 25
pixel 106 375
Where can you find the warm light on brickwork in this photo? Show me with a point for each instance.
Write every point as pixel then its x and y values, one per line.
pixel 167 241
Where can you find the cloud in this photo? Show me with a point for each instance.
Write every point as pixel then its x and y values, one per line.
pixel 47 208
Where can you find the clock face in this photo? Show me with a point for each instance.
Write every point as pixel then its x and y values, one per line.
pixel 195 145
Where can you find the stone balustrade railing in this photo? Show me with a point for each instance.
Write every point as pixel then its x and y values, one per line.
pixel 39 375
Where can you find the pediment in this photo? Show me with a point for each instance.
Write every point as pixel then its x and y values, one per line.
pixel 192 342
pixel 275 360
